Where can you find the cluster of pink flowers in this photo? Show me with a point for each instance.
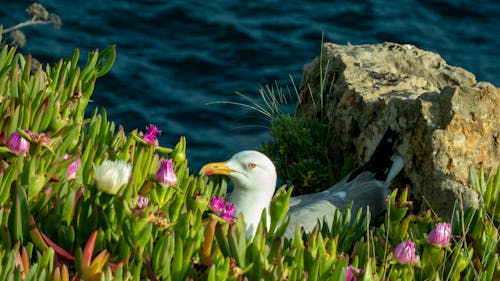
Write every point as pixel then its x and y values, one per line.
pixel 221 208
pixel 111 175
pixel 165 174
pixel 440 236
pixel 19 145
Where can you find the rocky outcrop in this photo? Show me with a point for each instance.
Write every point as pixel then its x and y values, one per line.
pixel 448 122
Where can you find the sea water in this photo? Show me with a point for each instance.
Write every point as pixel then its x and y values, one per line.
pixel 175 58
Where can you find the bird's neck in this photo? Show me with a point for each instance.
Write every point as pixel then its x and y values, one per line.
pixel 251 203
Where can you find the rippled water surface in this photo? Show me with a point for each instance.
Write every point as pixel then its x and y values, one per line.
pixel 176 57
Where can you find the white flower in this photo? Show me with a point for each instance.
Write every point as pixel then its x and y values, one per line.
pixel 112 175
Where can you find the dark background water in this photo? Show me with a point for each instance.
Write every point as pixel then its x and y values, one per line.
pixel 175 57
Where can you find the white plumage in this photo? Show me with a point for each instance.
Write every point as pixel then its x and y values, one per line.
pixel 254 179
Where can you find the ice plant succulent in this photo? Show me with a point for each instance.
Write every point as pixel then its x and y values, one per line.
pixel 17 144
pixel 150 136
pixel 91 269
pixel 221 208
pixel 405 253
pixel 166 174
pixel 112 175
pixel 440 236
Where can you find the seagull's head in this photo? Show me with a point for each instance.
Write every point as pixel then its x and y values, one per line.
pixel 254 179
pixel 249 170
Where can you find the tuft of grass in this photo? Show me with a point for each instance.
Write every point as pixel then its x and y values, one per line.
pixel 272 102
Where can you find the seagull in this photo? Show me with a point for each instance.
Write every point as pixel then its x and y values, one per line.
pixel 254 178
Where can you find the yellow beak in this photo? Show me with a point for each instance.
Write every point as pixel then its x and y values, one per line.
pixel 218 168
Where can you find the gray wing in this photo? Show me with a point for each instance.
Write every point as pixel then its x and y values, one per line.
pixel 306 210
pixel 367 186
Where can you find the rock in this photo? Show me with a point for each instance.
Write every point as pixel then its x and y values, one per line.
pixel 448 122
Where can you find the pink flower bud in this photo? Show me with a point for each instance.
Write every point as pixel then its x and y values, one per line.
pixel 440 236
pixel 72 168
pixel 166 173
pixel 350 273
pixel 405 253
pixel 17 144
pixel 142 202
pixel 150 136
pixel 221 208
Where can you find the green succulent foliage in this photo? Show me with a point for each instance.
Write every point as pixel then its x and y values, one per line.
pixel 301 153
pixel 48 219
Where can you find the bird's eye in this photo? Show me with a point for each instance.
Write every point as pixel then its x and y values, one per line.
pixel 252 165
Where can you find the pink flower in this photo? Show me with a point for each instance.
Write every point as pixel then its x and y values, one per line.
pixel 142 202
pixel 440 236
pixel 217 204
pixel 221 208
pixel 17 144
pixel 405 253
pixel 227 215
pixel 150 136
pixel 350 273
pixel 165 173
pixel 72 168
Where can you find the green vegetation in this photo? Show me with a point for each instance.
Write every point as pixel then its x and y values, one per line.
pixel 81 199
pixel 299 147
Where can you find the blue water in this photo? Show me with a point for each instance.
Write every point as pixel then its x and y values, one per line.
pixel 176 57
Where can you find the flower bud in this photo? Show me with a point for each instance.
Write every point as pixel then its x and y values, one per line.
pixel 72 168
pixel 350 273
pixel 440 236
pixel 17 144
pixel 142 202
pixel 405 253
pixel 112 175
pixel 166 173
pixel 179 153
